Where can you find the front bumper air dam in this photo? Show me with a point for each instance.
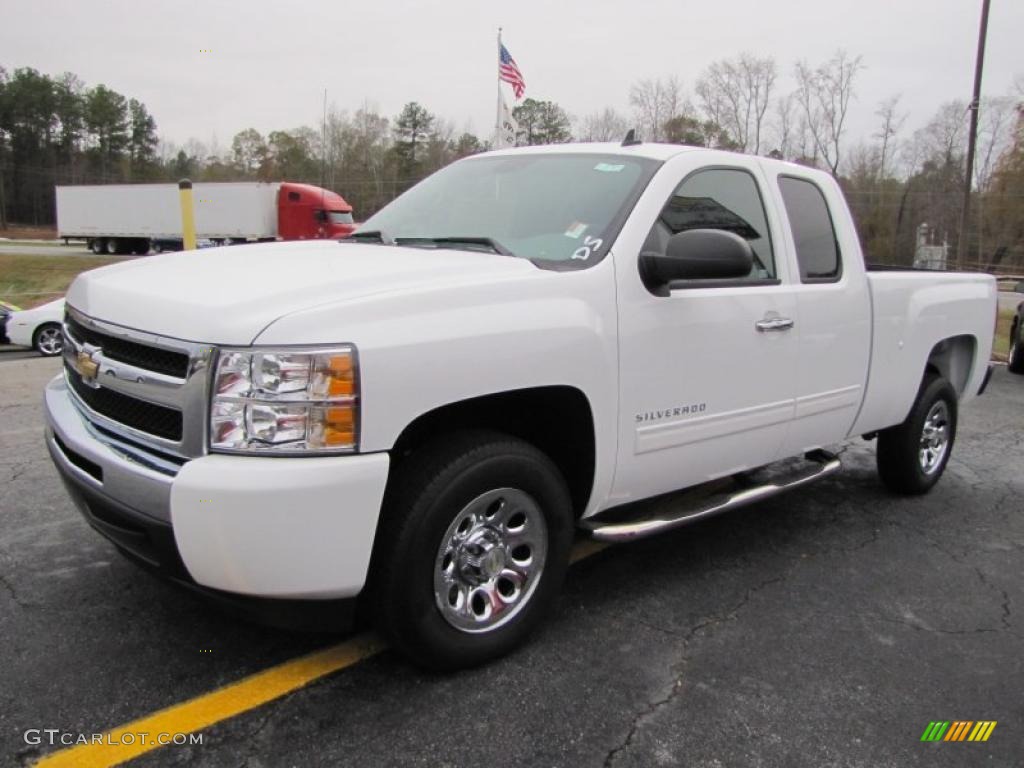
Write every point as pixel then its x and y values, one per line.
pixel 298 527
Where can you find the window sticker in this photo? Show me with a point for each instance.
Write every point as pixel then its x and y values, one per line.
pixel 576 230
pixel 608 167
pixel 590 244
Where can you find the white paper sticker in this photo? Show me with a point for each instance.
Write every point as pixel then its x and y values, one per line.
pixel 608 168
pixel 576 230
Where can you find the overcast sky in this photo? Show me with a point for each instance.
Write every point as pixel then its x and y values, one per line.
pixel 269 62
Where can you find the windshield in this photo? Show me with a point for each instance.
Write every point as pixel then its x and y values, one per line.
pixel 340 217
pixel 564 209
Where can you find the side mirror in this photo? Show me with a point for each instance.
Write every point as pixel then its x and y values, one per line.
pixel 697 254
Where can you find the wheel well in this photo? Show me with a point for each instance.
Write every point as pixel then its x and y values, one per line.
pixel 555 419
pixel 953 359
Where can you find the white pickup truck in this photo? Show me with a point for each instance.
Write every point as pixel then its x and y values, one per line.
pixel 423 416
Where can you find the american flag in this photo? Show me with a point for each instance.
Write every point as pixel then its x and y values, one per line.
pixel 509 72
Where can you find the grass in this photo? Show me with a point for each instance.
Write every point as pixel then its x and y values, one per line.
pixel 1001 347
pixel 28 280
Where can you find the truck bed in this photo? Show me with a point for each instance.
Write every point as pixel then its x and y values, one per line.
pixel 914 310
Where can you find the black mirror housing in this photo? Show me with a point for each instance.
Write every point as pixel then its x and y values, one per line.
pixel 697 254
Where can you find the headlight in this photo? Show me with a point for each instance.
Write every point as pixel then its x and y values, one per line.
pixel 285 401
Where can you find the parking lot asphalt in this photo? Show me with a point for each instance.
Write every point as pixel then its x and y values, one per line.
pixel 10 353
pixel 826 627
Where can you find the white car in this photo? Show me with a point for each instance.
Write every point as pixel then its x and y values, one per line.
pixel 39 328
pixel 423 415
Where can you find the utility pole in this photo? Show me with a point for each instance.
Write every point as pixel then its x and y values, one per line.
pixel 972 138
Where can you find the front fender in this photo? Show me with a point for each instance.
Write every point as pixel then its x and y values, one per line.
pixel 422 349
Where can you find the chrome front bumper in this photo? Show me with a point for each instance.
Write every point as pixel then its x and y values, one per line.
pixel 100 462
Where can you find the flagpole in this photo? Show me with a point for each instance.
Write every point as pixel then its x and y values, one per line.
pixel 498 142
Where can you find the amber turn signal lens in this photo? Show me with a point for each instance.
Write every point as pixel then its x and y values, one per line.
pixel 339 426
pixel 339 375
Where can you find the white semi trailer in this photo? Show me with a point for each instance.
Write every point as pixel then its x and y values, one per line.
pixel 132 218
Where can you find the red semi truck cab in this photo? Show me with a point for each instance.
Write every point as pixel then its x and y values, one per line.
pixel 305 212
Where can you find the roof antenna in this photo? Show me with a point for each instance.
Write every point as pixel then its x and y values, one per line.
pixel 631 140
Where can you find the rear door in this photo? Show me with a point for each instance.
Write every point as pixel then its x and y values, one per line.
pixel 707 380
pixel 833 313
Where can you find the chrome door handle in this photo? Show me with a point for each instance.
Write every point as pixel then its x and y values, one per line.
pixel 774 324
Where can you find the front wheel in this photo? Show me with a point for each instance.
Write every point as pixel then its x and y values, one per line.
pixel 49 340
pixel 913 455
pixel 1015 362
pixel 472 549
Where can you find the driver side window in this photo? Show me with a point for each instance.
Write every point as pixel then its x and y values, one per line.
pixel 718 198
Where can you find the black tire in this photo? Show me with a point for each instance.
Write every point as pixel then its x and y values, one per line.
pixel 427 495
pixel 1015 362
pixel 112 246
pixel 48 340
pixel 98 246
pixel 902 464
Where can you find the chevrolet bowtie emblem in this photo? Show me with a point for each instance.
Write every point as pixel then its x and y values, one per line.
pixel 88 368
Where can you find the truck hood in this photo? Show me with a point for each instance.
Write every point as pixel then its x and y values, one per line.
pixel 228 295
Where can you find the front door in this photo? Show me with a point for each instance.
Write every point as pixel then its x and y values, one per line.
pixel 707 372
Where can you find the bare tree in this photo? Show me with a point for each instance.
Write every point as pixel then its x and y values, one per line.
pixel 944 138
pixel 995 134
pixel 891 124
pixel 607 125
pixel 783 126
pixel 655 102
pixel 824 94
pixel 736 94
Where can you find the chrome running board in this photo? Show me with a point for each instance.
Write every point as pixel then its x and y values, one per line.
pixel 662 517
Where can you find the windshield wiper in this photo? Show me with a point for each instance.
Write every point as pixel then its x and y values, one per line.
pixel 470 240
pixel 371 235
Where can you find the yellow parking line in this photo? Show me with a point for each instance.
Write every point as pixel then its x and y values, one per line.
pixel 203 711
pixel 233 699
pixel 585 548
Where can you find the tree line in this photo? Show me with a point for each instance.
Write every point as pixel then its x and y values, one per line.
pixel 55 130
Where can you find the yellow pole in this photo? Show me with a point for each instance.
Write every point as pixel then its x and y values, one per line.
pixel 188 215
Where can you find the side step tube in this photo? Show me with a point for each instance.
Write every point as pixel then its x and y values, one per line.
pixel 823 464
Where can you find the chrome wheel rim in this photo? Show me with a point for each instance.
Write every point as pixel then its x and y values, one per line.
pixel 490 560
pixel 50 342
pixel 934 437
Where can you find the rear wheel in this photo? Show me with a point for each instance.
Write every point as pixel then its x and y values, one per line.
pixel 113 246
pixel 1015 362
pixel 913 455
pixel 48 340
pixel 97 246
pixel 472 549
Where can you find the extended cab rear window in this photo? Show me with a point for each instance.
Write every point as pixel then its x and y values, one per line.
pixel 817 250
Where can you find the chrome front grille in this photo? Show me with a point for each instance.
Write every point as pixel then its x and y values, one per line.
pixel 147 390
